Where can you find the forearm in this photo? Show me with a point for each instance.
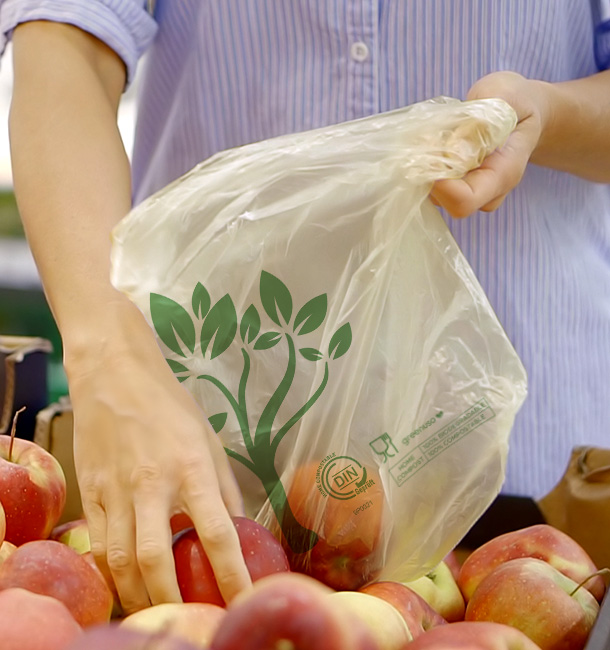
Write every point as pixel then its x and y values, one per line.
pixel 576 137
pixel 71 173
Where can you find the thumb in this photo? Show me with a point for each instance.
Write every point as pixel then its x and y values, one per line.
pixel 486 187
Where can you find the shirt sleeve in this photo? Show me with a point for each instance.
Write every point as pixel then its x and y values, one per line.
pixel 124 25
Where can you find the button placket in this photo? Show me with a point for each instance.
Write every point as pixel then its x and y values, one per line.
pixel 359 51
pixel 361 56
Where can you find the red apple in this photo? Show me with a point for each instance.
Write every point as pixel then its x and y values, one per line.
pixel 541 541
pixel 440 590
pixel 117 610
pixel 349 551
pixel 473 636
pixel 30 621
pixel 115 637
pixel 73 533
pixel 6 549
pixel 194 622
pixel 32 490
pixel 290 610
pixel 385 623
pixel 534 597
pixel 2 524
pixel 179 522
pixel 53 569
pixel 416 612
pixel 262 552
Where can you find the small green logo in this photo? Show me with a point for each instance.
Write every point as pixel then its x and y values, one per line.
pixel 343 477
pixel 384 447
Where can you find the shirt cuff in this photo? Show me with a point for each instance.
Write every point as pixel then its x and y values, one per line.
pixel 124 25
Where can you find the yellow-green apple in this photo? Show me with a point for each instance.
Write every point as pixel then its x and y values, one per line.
pixel 194 622
pixel 53 569
pixel 112 636
pixel 30 621
pixel 349 551
pixel 32 489
pixel 385 623
pixel 417 613
pixel 534 597
pixel 6 548
pixel 467 635
pixel 440 590
pixel 73 533
pixel 290 610
pixel 452 560
pixel 262 552
pixel 540 541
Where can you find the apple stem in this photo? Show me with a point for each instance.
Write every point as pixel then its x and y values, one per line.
pixel 605 572
pixel 13 431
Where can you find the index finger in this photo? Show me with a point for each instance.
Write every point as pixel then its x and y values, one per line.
pixel 218 537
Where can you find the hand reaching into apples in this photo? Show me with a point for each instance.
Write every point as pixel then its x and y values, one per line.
pixel 144 451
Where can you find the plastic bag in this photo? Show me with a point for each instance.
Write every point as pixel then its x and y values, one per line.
pixel 312 299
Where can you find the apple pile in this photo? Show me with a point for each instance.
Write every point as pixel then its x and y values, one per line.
pixel 48 591
pixel 532 589
pixel 537 580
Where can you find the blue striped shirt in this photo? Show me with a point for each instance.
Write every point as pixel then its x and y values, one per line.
pixel 223 73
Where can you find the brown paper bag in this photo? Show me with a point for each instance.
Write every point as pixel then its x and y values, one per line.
pixel 55 432
pixel 579 504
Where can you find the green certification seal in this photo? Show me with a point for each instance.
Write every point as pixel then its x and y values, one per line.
pixel 343 477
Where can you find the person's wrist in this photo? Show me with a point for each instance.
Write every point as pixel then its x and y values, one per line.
pixel 548 105
pixel 119 331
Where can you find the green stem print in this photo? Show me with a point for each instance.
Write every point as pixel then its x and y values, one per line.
pixel 176 328
pixel 262 437
pixel 239 405
pixel 300 413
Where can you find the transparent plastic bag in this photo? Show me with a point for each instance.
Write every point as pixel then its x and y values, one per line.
pixel 312 299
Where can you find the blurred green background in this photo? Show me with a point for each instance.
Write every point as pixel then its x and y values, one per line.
pixel 24 310
pixel 10 224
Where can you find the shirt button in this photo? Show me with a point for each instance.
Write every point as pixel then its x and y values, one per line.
pixel 359 51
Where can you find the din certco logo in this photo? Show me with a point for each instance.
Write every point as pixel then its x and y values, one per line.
pixel 343 477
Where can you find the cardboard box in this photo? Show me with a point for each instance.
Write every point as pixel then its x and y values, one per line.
pixel 55 432
pixel 23 382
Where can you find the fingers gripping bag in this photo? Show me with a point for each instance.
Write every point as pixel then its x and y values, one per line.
pixel 309 295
